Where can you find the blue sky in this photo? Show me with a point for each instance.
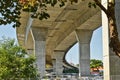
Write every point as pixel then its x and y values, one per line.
pixel 7 31
pixel 72 56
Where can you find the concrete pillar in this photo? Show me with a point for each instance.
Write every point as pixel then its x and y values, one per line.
pixel 30 51
pixel 110 60
pixel 54 65
pixel 40 35
pixel 59 62
pixel 84 38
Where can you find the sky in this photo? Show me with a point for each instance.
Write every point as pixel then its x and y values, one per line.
pixel 72 55
pixel 7 31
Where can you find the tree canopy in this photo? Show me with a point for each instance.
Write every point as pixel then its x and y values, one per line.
pixel 14 62
pixel 10 12
pixel 96 63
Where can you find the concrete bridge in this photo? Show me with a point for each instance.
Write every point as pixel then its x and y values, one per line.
pixel 50 39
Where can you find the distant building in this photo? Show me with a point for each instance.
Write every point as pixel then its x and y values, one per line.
pixel 96 71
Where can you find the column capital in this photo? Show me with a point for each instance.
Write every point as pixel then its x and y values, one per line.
pixel 84 35
pixel 40 33
pixel 59 54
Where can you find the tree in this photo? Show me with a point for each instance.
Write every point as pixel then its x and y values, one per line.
pixel 10 11
pixel 110 12
pixel 15 63
pixel 96 64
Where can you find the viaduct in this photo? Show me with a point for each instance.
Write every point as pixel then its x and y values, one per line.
pixel 50 39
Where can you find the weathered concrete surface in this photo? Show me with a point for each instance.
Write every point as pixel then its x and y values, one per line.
pixel 61 27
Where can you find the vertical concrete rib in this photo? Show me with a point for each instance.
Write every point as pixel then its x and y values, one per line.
pixel 40 35
pixel 84 38
pixel 105 35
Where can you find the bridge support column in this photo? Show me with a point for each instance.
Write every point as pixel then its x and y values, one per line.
pixel 30 51
pixel 59 62
pixel 84 38
pixel 110 60
pixel 40 35
pixel 54 65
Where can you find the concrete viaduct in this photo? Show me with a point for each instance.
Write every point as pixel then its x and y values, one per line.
pixel 50 39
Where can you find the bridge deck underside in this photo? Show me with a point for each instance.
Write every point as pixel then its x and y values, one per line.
pixel 61 26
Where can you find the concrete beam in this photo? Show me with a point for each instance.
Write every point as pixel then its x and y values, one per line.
pixel 40 34
pixel 84 35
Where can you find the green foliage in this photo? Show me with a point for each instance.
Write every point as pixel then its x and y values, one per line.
pixel 10 12
pixel 96 63
pixel 92 4
pixel 14 62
